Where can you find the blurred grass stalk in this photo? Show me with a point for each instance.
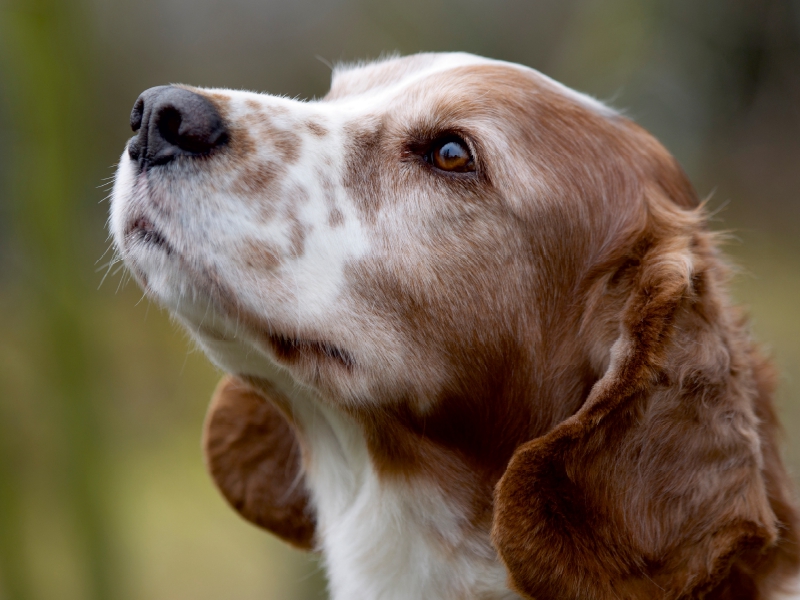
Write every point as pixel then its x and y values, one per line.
pixel 43 52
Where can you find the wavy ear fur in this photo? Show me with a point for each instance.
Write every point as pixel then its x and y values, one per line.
pixel 655 488
pixel 254 457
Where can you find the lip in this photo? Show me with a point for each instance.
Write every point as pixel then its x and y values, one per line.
pixel 291 349
pixel 141 230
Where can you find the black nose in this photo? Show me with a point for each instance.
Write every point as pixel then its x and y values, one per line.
pixel 171 121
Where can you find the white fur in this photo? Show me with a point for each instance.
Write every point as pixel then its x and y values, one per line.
pixel 393 542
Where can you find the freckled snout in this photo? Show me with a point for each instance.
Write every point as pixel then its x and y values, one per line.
pixel 169 122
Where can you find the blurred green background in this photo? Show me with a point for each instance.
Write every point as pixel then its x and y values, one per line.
pixel 103 493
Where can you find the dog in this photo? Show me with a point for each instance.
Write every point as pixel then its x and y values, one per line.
pixel 476 336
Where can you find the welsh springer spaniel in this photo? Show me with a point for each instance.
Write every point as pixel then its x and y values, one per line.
pixel 476 331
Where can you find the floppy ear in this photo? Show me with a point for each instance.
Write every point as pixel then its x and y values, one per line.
pixel 254 458
pixel 653 489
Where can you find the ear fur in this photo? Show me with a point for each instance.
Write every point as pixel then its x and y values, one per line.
pixel 654 488
pixel 254 458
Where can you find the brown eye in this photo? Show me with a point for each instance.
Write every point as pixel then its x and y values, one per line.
pixel 452 154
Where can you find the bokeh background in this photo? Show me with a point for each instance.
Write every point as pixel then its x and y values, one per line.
pixel 103 494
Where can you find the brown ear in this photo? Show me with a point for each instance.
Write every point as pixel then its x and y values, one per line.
pixel 254 457
pixel 654 488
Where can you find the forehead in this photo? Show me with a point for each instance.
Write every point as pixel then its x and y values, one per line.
pixel 391 75
pixel 440 74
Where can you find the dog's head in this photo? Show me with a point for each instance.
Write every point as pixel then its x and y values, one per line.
pixel 424 230
pixel 472 262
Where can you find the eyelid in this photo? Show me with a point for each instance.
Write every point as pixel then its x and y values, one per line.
pixel 442 140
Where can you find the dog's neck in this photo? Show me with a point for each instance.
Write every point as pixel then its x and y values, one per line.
pixel 399 537
pixel 385 537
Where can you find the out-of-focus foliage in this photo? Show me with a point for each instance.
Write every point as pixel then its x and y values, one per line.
pixel 102 488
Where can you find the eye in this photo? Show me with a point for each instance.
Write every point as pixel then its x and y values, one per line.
pixel 451 154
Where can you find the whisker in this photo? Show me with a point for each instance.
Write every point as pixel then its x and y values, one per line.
pixel 110 246
pixel 139 301
pixel 110 264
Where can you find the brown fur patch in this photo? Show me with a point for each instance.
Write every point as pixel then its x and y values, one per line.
pixel 262 126
pixel 258 180
pixel 297 230
pixel 316 129
pixel 335 215
pixel 220 100
pixel 254 457
pixel 259 255
pixel 362 176
pixel 335 218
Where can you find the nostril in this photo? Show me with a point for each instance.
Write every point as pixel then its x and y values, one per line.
pixel 193 131
pixel 169 125
pixel 136 114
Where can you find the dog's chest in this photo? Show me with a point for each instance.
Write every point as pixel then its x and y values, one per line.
pixel 397 540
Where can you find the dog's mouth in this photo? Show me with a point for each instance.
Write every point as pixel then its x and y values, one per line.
pixel 142 231
pixel 291 349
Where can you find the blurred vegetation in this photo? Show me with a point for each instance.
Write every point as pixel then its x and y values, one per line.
pixel 103 493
